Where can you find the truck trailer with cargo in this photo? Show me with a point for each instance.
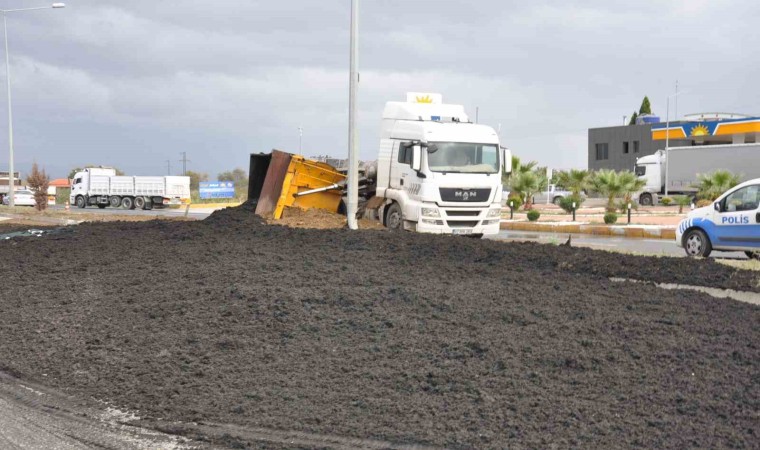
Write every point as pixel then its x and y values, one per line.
pixel 101 187
pixel 686 163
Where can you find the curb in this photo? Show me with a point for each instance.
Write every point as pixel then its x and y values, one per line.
pixel 631 231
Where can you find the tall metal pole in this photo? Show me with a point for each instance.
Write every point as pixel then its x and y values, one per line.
pixel 353 141
pixel 300 139
pixel 667 142
pixel 11 181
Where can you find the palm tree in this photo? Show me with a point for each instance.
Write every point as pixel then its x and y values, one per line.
pixel 525 184
pixel 575 181
pixel 712 185
pixel 681 201
pixel 631 185
pixel 609 184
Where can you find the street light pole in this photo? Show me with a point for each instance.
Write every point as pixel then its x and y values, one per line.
pixel 300 139
pixel 11 177
pixel 11 180
pixel 667 137
pixel 353 162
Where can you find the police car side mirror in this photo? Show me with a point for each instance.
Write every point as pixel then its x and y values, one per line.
pixel 716 205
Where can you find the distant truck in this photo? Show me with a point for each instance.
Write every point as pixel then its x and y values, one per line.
pixel 101 187
pixel 688 162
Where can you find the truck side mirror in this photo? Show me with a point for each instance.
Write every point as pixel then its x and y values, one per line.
pixel 417 158
pixel 507 158
pixel 716 205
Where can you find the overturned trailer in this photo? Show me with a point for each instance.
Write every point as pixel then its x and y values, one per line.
pixel 280 180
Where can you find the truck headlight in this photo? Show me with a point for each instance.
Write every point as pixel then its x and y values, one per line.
pixel 432 222
pixel 494 213
pixel 430 212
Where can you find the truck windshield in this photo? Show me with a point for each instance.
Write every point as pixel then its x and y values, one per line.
pixel 641 171
pixel 461 157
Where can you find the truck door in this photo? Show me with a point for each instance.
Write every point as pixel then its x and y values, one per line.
pixel 737 223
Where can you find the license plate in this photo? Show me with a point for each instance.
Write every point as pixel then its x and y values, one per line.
pixel 455 231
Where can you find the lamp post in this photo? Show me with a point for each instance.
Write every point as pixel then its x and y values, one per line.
pixel 667 137
pixel 353 141
pixel 11 180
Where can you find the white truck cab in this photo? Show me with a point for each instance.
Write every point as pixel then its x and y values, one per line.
pixel 731 223
pixel 437 171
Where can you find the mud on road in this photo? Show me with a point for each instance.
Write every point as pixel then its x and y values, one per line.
pixel 381 337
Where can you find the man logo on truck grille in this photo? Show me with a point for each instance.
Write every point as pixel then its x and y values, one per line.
pixel 465 195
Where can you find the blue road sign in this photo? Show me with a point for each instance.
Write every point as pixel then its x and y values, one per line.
pixel 217 189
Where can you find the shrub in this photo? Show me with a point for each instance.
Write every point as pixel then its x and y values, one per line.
pixel 516 201
pixel 533 215
pixel 566 203
pixel 623 207
pixel 610 218
pixel 666 201
pixel 39 182
pixel 704 202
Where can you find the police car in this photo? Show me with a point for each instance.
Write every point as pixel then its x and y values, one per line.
pixel 731 223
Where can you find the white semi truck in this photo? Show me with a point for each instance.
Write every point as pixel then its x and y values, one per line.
pixel 437 172
pixel 101 187
pixel 688 162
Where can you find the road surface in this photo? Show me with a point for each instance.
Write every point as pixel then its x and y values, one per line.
pixel 661 247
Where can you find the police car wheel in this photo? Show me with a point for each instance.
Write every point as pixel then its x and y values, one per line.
pixel 753 255
pixel 696 243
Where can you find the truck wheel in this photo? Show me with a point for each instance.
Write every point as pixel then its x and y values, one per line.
pixel 557 200
pixel 140 202
pixel 127 203
pixel 645 200
pixel 696 243
pixel 114 201
pixel 80 202
pixel 753 255
pixel 393 218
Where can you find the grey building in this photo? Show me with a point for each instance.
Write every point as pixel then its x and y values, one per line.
pixel 618 147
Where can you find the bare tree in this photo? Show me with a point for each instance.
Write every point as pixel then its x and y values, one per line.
pixel 39 182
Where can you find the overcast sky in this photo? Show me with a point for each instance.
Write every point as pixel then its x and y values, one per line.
pixel 133 83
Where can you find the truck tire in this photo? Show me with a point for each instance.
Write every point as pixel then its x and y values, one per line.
pixel 393 217
pixel 753 255
pixel 557 200
pixel 81 203
pixel 127 203
pixel 114 201
pixel 646 200
pixel 140 202
pixel 696 243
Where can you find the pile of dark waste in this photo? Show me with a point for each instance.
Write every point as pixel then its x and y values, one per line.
pixel 377 336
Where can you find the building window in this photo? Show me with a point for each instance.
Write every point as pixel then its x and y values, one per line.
pixel 635 146
pixel 625 147
pixel 602 151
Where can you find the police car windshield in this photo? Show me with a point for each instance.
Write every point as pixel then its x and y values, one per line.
pixel 463 157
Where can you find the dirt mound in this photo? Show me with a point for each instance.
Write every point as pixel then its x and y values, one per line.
pixel 395 337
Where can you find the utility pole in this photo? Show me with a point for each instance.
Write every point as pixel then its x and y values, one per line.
pixel 168 166
pixel 477 113
pixel 300 138
pixel 184 162
pixel 675 115
pixel 353 140
pixel 624 117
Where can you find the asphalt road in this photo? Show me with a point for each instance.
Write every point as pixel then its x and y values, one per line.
pixel 663 247
pixel 33 417
pixel 196 213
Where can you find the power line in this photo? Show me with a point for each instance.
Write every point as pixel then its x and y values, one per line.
pixel 184 162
